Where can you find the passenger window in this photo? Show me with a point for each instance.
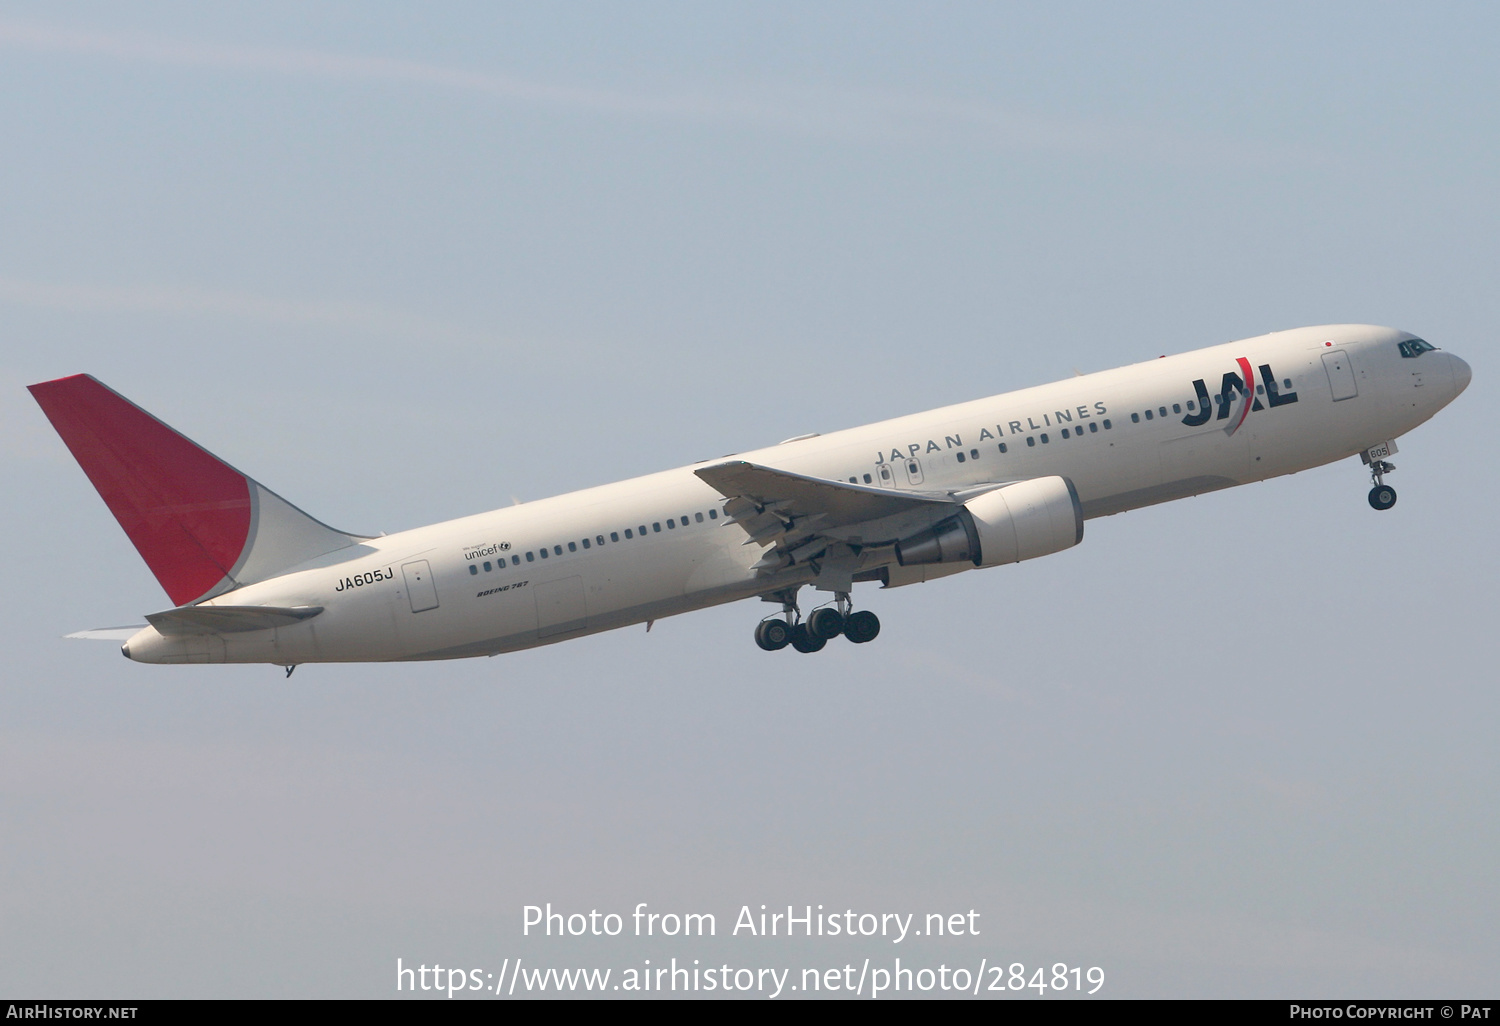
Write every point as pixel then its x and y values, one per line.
pixel 1148 414
pixel 1031 441
pixel 973 454
pixel 530 557
pixel 543 552
pixel 572 547
pixel 698 517
pixel 1260 389
pixel 614 536
pixel 1135 418
pixel 486 566
pixel 1163 411
pixel 516 560
pixel 1191 407
pixel 671 523
pixel 1044 438
pixel 628 534
pixel 655 526
pixel 557 550
pixel 867 481
pixel 473 569
pixel 1176 408
pixel 599 541
pixel 1286 383
pixel 1065 433
pixel 641 529
pixel 1093 428
pixel 1107 424
pixel 1003 447
pixel 961 457
pixel 713 514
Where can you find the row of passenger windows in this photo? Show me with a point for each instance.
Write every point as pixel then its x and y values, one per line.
pixel 672 523
pixel 1076 432
pixel 1221 399
pixel 973 454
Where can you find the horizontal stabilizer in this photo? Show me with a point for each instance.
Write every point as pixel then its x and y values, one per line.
pixel 202 527
pixel 229 619
pixel 108 633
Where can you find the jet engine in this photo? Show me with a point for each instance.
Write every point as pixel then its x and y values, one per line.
pixel 1011 523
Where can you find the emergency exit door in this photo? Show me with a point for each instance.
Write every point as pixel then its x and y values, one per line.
pixel 1340 375
pixel 420 588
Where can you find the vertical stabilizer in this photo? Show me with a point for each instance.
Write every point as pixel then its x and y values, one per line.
pixel 201 526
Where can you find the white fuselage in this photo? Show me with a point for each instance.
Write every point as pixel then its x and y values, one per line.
pixel 537 573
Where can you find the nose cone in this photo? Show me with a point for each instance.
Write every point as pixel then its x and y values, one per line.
pixel 1462 375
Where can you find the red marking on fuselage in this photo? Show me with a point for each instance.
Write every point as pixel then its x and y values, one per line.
pixel 1249 376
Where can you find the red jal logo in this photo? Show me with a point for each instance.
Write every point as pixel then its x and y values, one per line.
pixel 1241 385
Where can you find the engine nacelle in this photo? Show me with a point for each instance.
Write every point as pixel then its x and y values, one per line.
pixel 1015 522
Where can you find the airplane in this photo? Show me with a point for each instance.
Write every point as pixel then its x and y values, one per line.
pixel 253 579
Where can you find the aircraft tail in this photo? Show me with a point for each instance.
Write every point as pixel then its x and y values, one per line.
pixel 202 527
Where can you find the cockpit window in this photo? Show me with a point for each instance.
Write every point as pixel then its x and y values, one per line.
pixel 1416 347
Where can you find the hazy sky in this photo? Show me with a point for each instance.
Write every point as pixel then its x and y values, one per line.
pixel 403 263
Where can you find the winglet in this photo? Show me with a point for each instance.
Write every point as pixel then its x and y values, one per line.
pixel 201 526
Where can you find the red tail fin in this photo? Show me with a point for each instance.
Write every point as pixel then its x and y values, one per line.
pixel 194 519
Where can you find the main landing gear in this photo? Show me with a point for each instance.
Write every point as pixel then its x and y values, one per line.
pixel 821 626
pixel 1382 496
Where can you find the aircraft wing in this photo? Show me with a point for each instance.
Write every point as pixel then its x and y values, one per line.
pixel 799 516
pixel 804 496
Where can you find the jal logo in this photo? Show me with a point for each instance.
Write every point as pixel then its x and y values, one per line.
pixel 1238 385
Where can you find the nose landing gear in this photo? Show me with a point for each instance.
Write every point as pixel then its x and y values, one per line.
pixel 1382 496
pixel 821 626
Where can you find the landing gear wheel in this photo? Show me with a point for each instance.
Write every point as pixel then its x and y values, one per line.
pixel 826 623
pixel 861 627
pixel 804 640
pixel 772 635
pixel 1382 496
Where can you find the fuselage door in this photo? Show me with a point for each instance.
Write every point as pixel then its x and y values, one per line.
pixel 419 585
pixel 913 468
pixel 1340 375
pixel 886 475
